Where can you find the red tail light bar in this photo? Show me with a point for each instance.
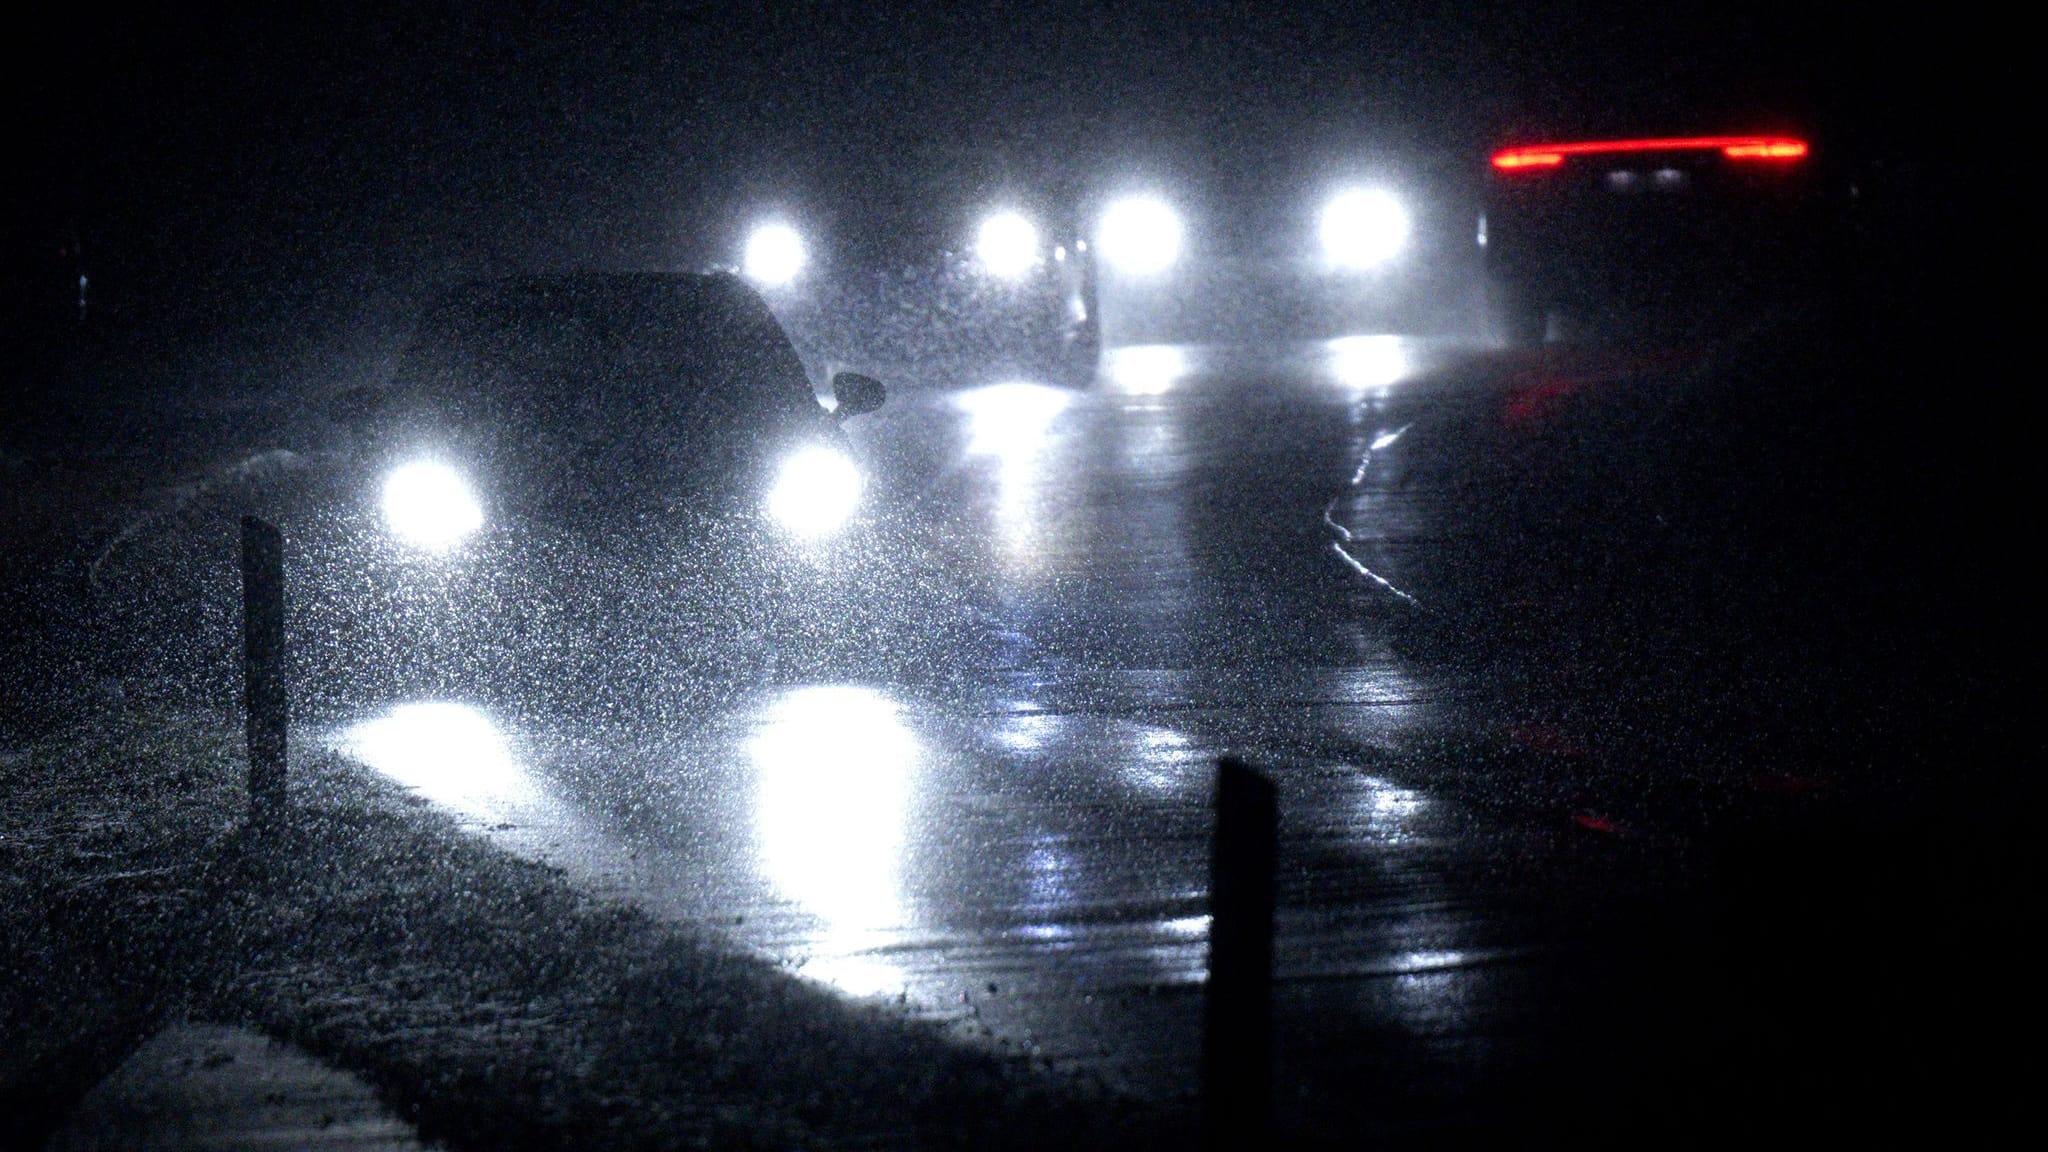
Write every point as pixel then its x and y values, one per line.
pixel 1541 157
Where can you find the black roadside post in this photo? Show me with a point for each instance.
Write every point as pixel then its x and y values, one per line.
pixel 1237 1025
pixel 263 664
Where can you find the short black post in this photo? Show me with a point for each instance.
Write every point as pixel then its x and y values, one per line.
pixel 1237 1026
pixel 263 663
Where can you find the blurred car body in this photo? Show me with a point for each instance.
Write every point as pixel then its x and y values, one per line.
pixel 997 282
pixel 1304 256
pixel 1679 235
pixel 571 485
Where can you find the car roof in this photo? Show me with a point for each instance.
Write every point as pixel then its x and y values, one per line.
pixel 614 333
pixel 678 303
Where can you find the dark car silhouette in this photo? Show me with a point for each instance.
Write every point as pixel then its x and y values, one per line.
pixel 572 490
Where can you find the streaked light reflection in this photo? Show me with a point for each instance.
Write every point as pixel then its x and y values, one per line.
pixel 1161 760
pixel 1181 954
pixel 1392 814
pixel 835 768
pixel 449 753
pixel 1365 362
pixel 1012 423
pixel 1146 369
pixel 1009 421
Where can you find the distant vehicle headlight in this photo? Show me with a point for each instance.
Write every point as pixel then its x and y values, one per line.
pixel 774 255
pixel 815 492
pixel 1007 245
pixel 1140 236
pixel 428 506
pixel 1363 228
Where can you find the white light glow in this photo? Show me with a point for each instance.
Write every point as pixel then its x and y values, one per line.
pixel 1147 369
pixel 428 506
pixel 834 774
pixel 1365 362
pixel 774 255
pixel 1010 421
pixel 815 492
pixel 1363 228
pixel 1141 236
pixel 1012 424
pixel 449 753
pixel 1007 245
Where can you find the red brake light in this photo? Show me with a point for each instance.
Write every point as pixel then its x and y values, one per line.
pixel 1542 157
pixel 1766 150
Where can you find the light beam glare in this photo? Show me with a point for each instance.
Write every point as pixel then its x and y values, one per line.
pixel 774 255
pixel 1141 236
pixel 1007 245
pixel 1363 228
pixel 428 506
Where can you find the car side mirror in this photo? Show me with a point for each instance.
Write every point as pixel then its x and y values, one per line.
pixel 856 394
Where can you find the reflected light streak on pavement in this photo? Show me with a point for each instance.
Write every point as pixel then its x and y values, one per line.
pixel 1146 369
pixel 1363 363
pixel 835 769
pixel 1011 422
pixel 449 753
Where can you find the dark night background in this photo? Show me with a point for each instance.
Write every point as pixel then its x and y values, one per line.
pixel 264 163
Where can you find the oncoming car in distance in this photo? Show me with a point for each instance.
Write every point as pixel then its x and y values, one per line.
pixel 1279 260
pixel 1004 287
pixel 1681 235
pixel 574 489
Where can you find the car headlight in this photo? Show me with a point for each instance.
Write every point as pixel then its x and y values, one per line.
pixel 1007 245
pixel 774 255
pixel 428 506
pixel 1140 236
pixel 1363 228
pixel 815 492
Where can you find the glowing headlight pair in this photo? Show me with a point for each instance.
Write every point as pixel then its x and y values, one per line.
pixel 428 506
pixel 1140 237
pixel 1359 229
pixel 1006 245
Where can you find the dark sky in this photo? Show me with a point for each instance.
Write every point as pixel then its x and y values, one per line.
pixel 394 142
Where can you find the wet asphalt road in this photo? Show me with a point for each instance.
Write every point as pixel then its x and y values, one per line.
pixel 1023 851
pixel 1514 896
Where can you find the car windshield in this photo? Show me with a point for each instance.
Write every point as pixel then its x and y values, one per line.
pixel 1072 574
pixel 605 376
pixel 607 355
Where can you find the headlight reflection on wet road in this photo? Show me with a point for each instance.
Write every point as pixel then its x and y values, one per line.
pixel 1012 423
pixel 1362 363
pixel 449 753
pixel 1146 369
pixel 835 771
